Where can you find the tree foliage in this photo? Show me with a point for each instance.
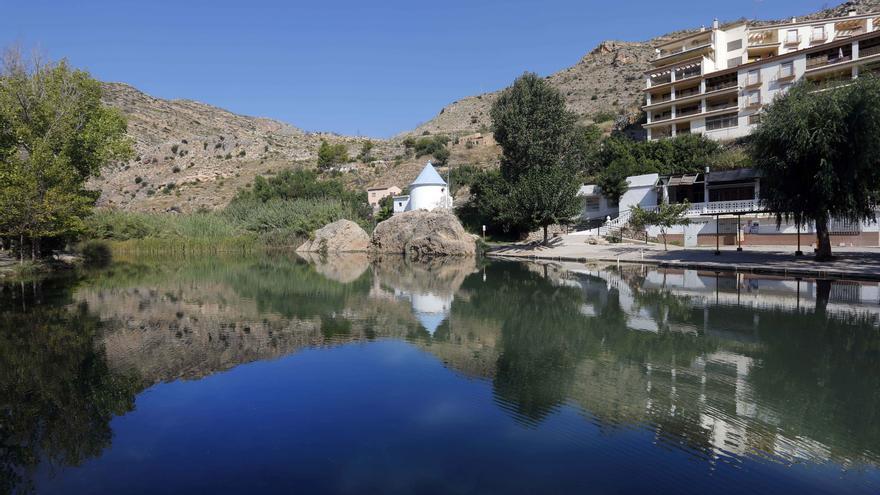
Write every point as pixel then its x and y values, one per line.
pixel 819 154
pixel 541 151
pixel 620 157
pixel 665 216
pixel 55 134
pixel 330 155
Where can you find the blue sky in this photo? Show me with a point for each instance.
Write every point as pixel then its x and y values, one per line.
pixel 353 67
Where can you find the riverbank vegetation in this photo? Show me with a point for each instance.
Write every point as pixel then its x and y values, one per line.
pixel 278 212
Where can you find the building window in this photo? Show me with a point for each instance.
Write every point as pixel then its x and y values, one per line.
pixel 725 121
pixel 791 37
pixel 753 98
pixel 818 33
pixel 786 70
pixel 734 45
pixel 733 62
pixel 755 119
pixel 591 204
pixel 753 77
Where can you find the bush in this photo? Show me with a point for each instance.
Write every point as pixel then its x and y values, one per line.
pixel 430 145
pixel 138 179
pixel 331 154
pixel 603 116
pixel 95 253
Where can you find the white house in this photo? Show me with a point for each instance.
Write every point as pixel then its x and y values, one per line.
pixel 725 210
pixel 427 192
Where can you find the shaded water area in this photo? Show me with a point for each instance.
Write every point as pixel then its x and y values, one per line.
pixel 278 375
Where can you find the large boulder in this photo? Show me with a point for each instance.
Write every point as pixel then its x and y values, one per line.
pixel 421 234
pixel 341 236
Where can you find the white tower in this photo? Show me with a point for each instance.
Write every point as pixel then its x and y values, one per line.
pixel 428 191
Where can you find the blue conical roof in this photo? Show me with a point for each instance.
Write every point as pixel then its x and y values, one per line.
pixel 429 176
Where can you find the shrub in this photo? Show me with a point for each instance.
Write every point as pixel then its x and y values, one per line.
pixel 174 148
pixel 138 179
pixel 95 253
pixel 176 169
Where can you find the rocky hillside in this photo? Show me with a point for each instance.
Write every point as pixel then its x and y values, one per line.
pixel 608 80
pixel 191 155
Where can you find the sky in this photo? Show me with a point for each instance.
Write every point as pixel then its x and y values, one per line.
pixel 354 67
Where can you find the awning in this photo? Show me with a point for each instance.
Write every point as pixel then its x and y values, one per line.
pixel 683 180
pixel 740 174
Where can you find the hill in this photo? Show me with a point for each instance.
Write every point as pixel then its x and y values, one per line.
pixel 606 82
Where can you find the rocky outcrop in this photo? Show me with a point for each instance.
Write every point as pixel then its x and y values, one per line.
pixel 341 236
pixel 423 234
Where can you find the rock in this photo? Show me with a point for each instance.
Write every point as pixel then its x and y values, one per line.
pixel 341 236
pixel 419 234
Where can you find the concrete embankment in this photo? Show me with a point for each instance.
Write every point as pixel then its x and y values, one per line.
pixel 861 263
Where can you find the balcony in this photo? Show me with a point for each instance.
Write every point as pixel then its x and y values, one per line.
pixel 719 83
pixel 724 105
pixel 661 79
pixel 661 117
pixel 763 38
pixel 753 103
pixel 792 41
pixel 818 37
pixel 825 60
pixel 684 93
pixel 688 111
pixel 869 47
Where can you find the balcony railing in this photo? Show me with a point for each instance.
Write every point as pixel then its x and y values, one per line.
pixel 793 41
pixel 785 75
pixel 688 112
pixel 698 209
pixel 824 60
pixel 687 92
pixel 867 52
pixel 752 82
pixel 720 86
pixel 732 104
pixel 661 117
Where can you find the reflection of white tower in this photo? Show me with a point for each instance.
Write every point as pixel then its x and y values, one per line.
pixel 430 309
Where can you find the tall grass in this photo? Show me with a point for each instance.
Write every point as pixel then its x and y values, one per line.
pixel 245 225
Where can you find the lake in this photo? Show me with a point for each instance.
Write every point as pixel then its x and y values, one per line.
pixel 278 375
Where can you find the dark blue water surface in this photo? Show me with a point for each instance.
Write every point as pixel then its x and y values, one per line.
pixel 275 375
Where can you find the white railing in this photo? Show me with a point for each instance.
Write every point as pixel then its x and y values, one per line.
pixel 695 210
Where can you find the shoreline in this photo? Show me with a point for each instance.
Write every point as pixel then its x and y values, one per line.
pixel 848 264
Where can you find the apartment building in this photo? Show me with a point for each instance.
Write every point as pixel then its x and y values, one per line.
pixel 717 81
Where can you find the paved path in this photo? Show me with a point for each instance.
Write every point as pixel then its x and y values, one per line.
pixel 848 262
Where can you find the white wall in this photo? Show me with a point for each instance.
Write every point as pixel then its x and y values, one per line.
pixel 426 197
pixel 641 192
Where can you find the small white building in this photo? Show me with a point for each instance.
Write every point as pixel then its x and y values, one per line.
pixel 428 192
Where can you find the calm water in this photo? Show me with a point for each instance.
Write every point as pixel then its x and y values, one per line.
pixel 274 375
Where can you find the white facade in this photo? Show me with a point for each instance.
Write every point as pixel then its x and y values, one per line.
pixel 428 192
pixel 716 82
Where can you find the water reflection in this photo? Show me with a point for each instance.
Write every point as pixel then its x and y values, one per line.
pixel 726 368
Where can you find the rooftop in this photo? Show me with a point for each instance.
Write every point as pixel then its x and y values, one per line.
pixel 429 177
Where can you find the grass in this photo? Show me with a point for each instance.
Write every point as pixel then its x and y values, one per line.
pixel 242 227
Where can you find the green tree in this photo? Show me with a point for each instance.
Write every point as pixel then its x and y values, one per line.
pixel 55 134
pixel 665 217
pixel 441 156
pixel 366 153
pixel 819 154
pixel 533 127
pixel 330 155
pixel 540 153
pixel 386 209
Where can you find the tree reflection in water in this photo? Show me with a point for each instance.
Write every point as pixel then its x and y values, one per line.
pixel 56 392
pixel 783 377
